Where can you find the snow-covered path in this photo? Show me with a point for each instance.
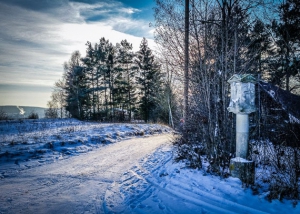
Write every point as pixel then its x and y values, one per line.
pixel 131 176
pixel 77 184
pixel 156 184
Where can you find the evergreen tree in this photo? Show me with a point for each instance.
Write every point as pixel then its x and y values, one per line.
pixel 125 78
pixel 102 56
pixel 89 64
pixel 260 49
pixel 287 41
pixel 149 80
pixel 76 87
pixel 105 82
pixel 98 71
pixel 110 77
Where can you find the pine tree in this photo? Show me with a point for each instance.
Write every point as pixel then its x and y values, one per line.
pixel 260 49
pixel 102 56
pixel 89 64
pixel 287 41
pixel 98 70
pixel 125 78
pixel 149 80
pixel 110 77
pixel 76 87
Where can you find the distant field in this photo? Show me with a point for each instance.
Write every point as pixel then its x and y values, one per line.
pixel 18 112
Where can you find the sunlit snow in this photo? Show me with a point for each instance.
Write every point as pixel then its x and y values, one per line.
pixel 68 166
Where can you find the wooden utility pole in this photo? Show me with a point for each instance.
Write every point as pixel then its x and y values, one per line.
pixel 186 62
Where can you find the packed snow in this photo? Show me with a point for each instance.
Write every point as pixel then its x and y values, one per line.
pixel 68 166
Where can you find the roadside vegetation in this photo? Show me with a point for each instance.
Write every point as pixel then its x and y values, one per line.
pixel 227 38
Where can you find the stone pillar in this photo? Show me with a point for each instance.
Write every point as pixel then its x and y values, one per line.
pixel 242 104
pixel 242 169
pixel 242 135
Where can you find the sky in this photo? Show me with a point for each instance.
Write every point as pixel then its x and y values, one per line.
pixel 38 36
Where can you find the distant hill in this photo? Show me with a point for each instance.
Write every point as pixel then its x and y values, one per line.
pixel 18 112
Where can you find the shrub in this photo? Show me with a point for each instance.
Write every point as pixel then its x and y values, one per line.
pixel 51 113
pixel 33 115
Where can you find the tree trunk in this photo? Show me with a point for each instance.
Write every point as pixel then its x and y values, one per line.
pixel 186 61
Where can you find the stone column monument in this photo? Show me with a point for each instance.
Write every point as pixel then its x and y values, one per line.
pixel 242 103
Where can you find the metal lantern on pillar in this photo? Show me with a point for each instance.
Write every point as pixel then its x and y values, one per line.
pixel 242 103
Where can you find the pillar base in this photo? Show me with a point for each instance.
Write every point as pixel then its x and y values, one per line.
pixel 242 169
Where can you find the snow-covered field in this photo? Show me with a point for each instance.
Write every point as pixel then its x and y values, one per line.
pixel 26 142
pixel 67 166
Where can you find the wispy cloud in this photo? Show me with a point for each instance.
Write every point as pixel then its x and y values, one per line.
pixel 114 15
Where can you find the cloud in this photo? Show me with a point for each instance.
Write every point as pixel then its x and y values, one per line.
pixel 115 15
pixel 37 37
pixel 129 10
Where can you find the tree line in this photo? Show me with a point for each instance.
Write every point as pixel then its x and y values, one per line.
pixel 111 83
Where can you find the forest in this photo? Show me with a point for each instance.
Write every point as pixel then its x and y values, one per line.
pixel 202 43
pixel 111 83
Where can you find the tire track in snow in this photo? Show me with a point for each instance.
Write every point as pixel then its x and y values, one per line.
pixel 77 184
pixel 149 195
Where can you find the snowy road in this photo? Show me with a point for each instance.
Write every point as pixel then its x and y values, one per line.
pixel 130 176
pixel 77 184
